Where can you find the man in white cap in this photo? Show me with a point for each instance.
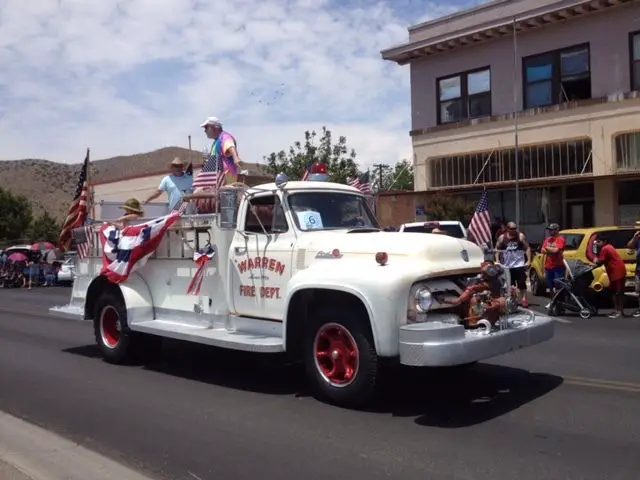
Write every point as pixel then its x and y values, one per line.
pixel 224 148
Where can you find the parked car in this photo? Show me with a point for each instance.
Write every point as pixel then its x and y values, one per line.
pixel 580 246
pixel 67 271
pixel 451 227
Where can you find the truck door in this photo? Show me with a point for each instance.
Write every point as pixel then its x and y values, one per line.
pixel 260 256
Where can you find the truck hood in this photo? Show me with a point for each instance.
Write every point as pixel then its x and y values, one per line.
pixel 428 252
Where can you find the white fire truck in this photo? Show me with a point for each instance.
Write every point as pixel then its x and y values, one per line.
pixel 303 268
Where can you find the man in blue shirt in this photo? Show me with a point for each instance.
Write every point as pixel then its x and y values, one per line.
pixel 175 185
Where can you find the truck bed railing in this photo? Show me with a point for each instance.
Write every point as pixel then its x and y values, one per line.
pixel 193 231
pixel 182 239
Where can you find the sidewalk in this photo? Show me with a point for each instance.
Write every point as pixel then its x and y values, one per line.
pixel 8 472
pixel 28 452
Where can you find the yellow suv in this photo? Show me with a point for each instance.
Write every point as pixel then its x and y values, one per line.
pixel 579 246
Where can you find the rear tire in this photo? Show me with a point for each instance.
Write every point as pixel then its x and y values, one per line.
pixel 340 357
pixel 117 343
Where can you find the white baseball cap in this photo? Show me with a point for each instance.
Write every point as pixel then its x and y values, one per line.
pixel 211 121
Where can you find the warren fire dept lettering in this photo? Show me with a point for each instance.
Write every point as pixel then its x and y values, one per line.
pixel 264 292
pixel 263 263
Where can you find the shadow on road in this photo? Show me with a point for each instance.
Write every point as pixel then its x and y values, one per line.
pixel 462 397
pixel 444 398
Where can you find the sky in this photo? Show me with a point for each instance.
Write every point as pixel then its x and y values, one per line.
pixel 130 76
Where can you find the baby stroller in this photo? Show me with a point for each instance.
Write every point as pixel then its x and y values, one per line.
pixel 571 294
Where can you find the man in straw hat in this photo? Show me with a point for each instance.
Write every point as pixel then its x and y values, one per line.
pixel 224 147
pixel 634 244
pixel 175 185
pixel 132 211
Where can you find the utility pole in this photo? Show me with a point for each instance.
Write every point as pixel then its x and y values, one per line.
pixel 515 119
pixel 380 167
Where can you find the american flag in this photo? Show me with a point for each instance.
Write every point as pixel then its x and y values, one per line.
pixel 362 182
pixel 83 239
pixel 307 172
pixel 180 207
pixel 212 173
pixel 126 250
pixel 480 225
pixel 78 210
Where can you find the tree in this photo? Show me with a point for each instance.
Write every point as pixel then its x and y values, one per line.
pixel 400 177
pixel 45 228
pixel 441 206
pixel 15 216
pixel 339 159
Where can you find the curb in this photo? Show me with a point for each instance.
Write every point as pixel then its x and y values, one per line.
pixel 29 452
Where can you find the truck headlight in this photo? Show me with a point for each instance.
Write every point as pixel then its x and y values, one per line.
pixel 423 299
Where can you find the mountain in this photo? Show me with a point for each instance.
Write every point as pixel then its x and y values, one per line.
pixel 51 185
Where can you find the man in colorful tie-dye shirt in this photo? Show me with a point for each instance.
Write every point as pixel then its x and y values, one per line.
pixel 224 146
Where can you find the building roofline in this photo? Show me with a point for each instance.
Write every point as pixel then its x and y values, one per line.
pixel 455 15
pixel 497 28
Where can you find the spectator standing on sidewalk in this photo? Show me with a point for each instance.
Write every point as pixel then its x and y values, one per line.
pixel 553 247
pixel 634 244
pixel 514 253
pixel 616 271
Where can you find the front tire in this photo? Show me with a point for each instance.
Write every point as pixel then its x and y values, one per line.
pixel 340 357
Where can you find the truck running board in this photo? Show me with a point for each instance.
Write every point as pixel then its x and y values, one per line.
pixel 217 337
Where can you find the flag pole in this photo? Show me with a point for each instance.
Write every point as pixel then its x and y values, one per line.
pixel 90 187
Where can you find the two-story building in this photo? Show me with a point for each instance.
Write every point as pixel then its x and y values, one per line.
pixel 559 79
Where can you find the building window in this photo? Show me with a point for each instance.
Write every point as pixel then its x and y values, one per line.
pixel 557 77
pixel 634 46
pixel 497 166
pixel 628 152
pixel 463 96
pixel 628 202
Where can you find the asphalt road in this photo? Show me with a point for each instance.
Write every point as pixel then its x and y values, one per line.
pixel 567 409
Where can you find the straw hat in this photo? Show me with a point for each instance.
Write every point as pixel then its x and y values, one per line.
pixel 132 206
pixel 177 162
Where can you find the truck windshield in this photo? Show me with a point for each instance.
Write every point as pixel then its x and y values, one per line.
pixel 330 211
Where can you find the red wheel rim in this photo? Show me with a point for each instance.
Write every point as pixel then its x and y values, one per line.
pixel 336 355
pixel 110 327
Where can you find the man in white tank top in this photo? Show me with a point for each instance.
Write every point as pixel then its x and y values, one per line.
pixel 513 252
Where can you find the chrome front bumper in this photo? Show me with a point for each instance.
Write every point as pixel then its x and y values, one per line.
pixel 441 344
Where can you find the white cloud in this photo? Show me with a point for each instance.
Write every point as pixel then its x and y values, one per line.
pixel 129 76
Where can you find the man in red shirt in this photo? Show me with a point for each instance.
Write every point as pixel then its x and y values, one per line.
pixel 616 270
pixel 552 247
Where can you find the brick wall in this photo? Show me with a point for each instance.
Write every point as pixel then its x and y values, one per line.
pixel 394 209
